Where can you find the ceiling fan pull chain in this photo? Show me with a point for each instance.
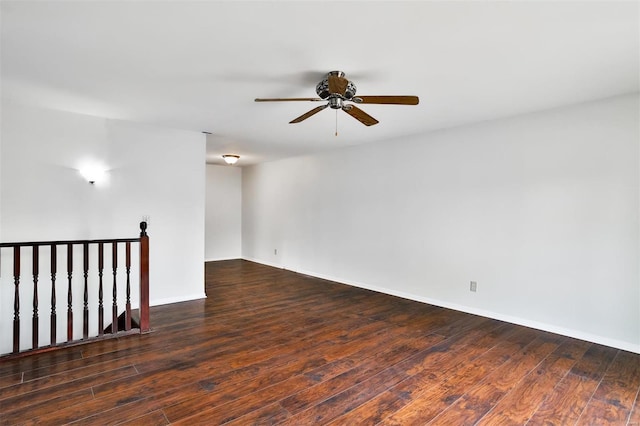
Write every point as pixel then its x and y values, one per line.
pixel 336 123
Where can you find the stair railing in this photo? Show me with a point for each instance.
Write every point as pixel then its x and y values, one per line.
pixel 119 325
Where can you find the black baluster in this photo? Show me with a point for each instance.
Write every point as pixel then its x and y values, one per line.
pixel 127 325
pixel 69 293
pixel 100 296
pixel 34 329
pixel 54 267
pixel 114 327
pixel 85 309
pixel 16 299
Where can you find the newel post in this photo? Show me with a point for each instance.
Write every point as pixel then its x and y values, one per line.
pixel 144 278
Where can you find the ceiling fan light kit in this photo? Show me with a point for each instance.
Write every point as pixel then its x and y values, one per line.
pixel 337 91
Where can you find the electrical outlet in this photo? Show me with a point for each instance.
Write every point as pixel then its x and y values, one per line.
pixel 473 286
pixel 275 251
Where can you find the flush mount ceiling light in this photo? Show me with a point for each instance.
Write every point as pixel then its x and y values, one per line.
pixel 93 172
pixel 231 159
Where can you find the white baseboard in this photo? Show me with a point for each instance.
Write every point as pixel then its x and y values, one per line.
pixel 264 262
pixel 218 259
pixel 577 334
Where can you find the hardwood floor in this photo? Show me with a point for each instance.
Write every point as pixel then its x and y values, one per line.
pixel 272 347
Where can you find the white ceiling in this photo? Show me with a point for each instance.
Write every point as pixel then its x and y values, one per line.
pixel 199 65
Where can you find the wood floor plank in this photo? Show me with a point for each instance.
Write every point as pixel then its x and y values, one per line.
pixel 364 368
pixel 614 398
pixel 595 362
pixel 271 414
pixel 450 390
pixel 184 365
pixel 566 403
pixel 13 415
pixel 396 397
pixel 634 417
pixel 620 384
pixel 606 413
pixel 439 393
pixel 318 374
pixel 351 398
pixel 13 366
pixel 59 390
pixel 119 367
pixel 475 403
pixel 10 380
pixel 572 394
pixel 270 346
pixel 114 410
pixel 523 400
pixel 127 388
pixel 62 367
pixel 255 380
pixel 154 418
pixel 245 404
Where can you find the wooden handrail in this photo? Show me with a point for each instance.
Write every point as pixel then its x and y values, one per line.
pixel 63 242
pixel 127 328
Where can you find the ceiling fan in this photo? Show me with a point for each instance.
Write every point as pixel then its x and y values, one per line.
pixel 339 92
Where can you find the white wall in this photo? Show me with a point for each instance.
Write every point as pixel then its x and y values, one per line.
pixel 223 213
pixel 542 210
pixel 157 172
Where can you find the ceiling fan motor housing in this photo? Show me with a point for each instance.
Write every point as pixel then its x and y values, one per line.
pixel 322 89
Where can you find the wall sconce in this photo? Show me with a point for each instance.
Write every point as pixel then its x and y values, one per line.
pixel 231 159
pixel 93 173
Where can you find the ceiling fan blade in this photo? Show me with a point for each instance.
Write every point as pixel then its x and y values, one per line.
pixel 360 115
pixel 287 99
pixel 308 114
pixel 394 100
pixel 337 84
